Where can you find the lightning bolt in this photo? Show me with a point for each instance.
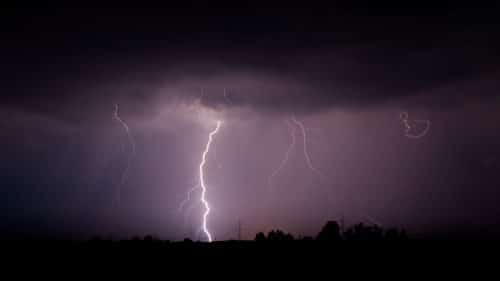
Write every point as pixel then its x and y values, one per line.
pixel 287 154
pixel 185 202
pixel 132 154
pixel 202 182
pixel 306 153
pixel 404 119
pixel 188 197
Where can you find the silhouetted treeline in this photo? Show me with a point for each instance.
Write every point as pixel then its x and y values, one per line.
pixel 331 232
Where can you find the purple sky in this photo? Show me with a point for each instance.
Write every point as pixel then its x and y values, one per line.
pixel 63 153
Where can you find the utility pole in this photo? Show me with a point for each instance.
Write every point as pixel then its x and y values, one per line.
pixel 239 230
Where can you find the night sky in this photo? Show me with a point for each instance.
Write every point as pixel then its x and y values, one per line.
pixel 347 73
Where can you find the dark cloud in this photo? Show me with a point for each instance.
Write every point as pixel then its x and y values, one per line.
pixel 290 62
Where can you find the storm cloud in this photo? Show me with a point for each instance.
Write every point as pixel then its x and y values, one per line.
pixel 340 59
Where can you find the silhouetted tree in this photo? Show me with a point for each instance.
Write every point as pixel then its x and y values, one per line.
pixel 361 232
pixel 403 235
pixel 392 234
pixel 395 234
pixel 260 237
pixel 306 238
pixel 279 235
pixel 330 232
pixel 273 235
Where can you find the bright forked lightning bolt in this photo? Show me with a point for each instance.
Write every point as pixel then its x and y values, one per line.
pixel 287 154
pixel 306 153
pixel 202 181
pixel 132 154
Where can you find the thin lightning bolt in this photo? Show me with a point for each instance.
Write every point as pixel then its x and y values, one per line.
pixel 306 153
pixel 287 154
pixel 404 119
pixel 202 182
pixel 188 197
pixel 132 154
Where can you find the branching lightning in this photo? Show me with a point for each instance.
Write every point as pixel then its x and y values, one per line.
pixel 306 153
pixel 188 197
pixel 202 182
pixel 182 205
pixel 287 154
pixel 290 148
pixel 131 156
